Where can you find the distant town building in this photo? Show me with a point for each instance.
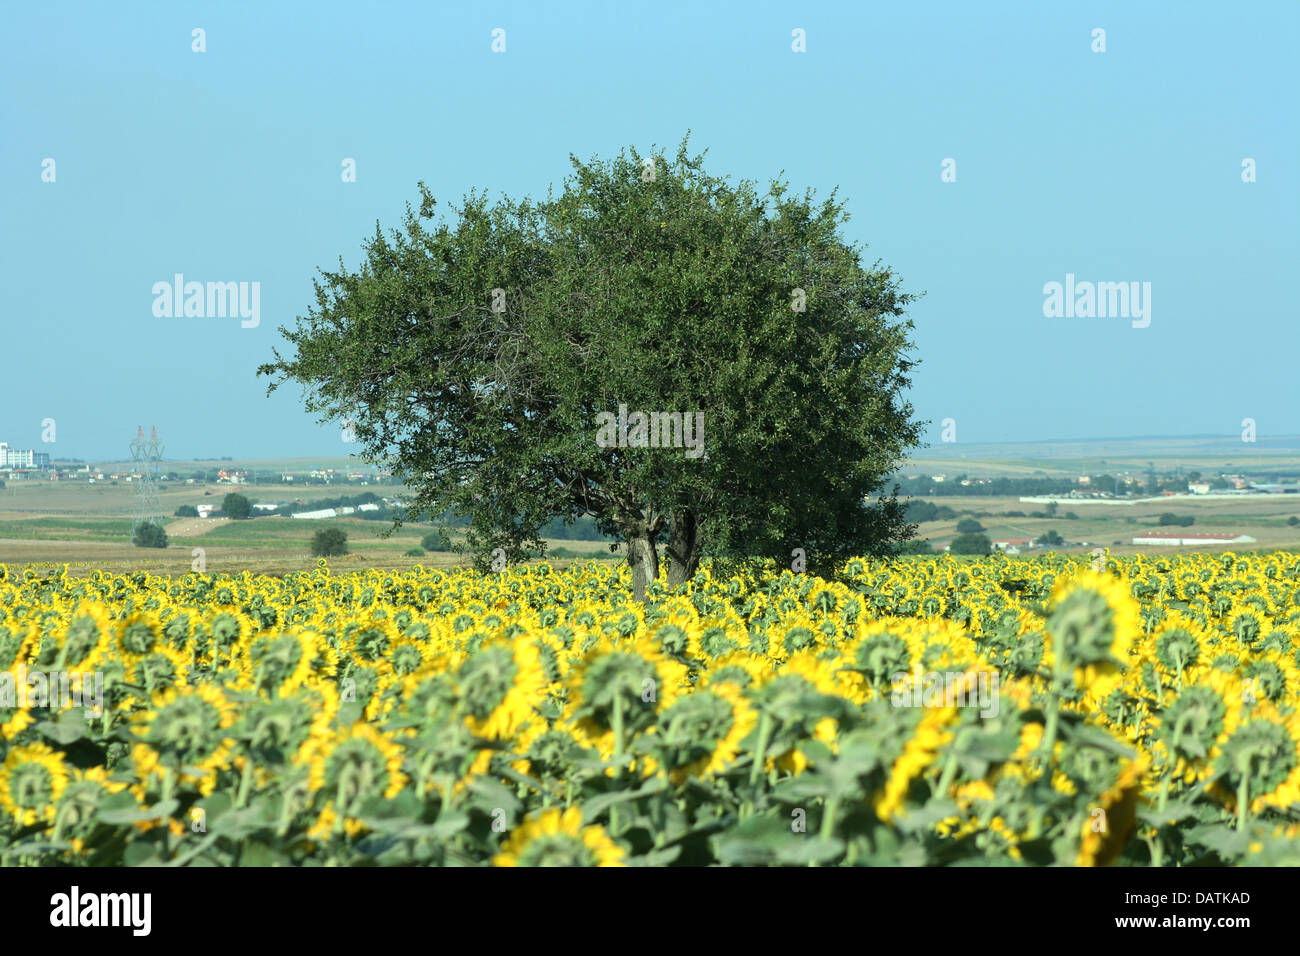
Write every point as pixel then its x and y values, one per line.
pixel 1199 487
pixel 22 457
pixel 1276 488
pixel 1012 545
pixel 316 515
pixel 1179 538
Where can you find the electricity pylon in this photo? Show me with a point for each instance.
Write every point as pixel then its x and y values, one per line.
pixel 146 454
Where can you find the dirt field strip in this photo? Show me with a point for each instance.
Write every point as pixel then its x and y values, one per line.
pixel 189 527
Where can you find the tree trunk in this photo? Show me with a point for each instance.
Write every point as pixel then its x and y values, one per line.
pixel 683 548
pixel 644 560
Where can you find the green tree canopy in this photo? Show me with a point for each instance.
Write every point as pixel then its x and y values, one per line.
pixel 970 544
pixel 148 534
pixel 475 354
pixel 436 541
pixel 329 542
pixel 235 505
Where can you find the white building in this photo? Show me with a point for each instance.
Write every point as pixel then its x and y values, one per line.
pixel 22 457
pixel 316 515
pixel 1182 538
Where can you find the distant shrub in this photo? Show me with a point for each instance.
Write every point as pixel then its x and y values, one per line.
pixel 1013 514
pixel 915 546
pixel 187 511
pixel 1293 520
pixel 329 543
pixel 436 541
pixel 969 526
pixel 917 511
pixel 235 505
pixel 149 534
pixel 1051 536
pixel 1182 521
pixel 415 553
pixel 970 544
pixel 562 553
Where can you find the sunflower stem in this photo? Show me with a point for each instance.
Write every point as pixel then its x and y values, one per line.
pixel 1243 792
pixel 245 782
pixel 618 758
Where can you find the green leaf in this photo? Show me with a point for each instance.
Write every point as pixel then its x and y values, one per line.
pixel 594 807
pixel 70 727
pixel 805 848
pixel 1223 840
pixel 132 814
pixel 1173 812
pixel 141 853
pixel 656 857
pixel 490 794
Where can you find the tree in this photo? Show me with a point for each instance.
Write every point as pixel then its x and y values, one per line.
pixel 970 544
pixel 916 546
pixel 1052 508
pixel 329 543
pixel 187 511
pixel 969 526
pixel 475 356
pixel 436 541
pixel 1049 537
pixel 235 505
pixel 1293 521
pixel 917 510
pixel 149 534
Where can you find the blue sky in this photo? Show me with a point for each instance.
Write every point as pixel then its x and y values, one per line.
pixel 1122 166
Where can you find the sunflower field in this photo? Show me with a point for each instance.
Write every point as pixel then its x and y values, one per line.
pixel 1138 712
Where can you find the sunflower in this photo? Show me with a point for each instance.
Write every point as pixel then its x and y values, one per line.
pixel 558 838
pixel 81 799
pixel 1104 836
pixel 355 762
pixel 1093 624
pixel 499 686
pixel 86 636
pixel 920 751
pixel 13 720
pixel 282 662
pixel 1260 759
pixel 136 635
pixel 621 687
pixel 185 732
pixel 700 734
pixel 32 779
